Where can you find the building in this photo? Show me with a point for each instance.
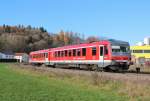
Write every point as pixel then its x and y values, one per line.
pixel 141 51
pixel 7 55
pixel 11 57
pixel 21 57
pixel 140 54
pixel 2 55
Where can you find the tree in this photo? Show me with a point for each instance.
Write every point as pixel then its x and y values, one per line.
pixel 29 27
pixel 26 39
pixel 7 29
pixel 66 38
pixel 42 29
pixel 92 39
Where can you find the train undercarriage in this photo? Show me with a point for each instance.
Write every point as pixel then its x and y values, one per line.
pixel 117 67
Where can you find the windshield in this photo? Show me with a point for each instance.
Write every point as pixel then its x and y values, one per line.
pixel 118 49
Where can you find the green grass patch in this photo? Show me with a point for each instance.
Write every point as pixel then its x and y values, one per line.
pixel 23 85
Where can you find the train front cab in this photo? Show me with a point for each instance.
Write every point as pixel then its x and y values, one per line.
pixel 120 56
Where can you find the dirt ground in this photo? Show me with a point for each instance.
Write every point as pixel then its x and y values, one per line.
pixel 140 78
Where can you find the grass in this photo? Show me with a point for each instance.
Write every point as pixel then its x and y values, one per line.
pixel 17 84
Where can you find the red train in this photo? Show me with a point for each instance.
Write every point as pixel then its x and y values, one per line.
pixel 109 54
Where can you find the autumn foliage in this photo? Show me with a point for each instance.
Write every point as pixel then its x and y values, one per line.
pixel 26 38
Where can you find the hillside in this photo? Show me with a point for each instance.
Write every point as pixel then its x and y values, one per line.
pixel 26 38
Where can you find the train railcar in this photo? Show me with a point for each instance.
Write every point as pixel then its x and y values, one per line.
pixel 39 57
pixel 108 54
pixel 111 54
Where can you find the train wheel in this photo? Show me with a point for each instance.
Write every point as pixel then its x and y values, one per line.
pixel 53 66
pixel 99 69
pixel 114 68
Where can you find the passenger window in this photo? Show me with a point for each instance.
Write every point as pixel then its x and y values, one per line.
pixel 146 51
pixel 58 53
pixel 78 52
pixel 69 52
pixel 93 51
pixel 66 52
pixel 101 51
pixel 137 51
pixel 74 52
pixel 55 54
pixel 83 51
pixel 106 50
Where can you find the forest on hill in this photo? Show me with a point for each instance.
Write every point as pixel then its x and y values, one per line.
pixel 27 38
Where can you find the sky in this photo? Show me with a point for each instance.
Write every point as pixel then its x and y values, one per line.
pixel 127 20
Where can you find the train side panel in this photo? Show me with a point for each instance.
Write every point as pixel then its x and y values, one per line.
pixel 81 54
pixel 39 57
pixel 103 54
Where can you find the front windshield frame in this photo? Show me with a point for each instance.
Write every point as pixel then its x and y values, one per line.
pixel 120 49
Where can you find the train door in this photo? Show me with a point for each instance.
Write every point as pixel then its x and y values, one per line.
pixel 46 57
pixel 101 57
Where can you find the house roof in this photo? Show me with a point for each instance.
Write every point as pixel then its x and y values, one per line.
pixel 1 53
pixel 19 54
pixel 8 53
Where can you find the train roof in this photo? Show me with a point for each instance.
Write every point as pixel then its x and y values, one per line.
pixel 40 51
pixel 82 45
pixel 119 42
pixel 110 41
